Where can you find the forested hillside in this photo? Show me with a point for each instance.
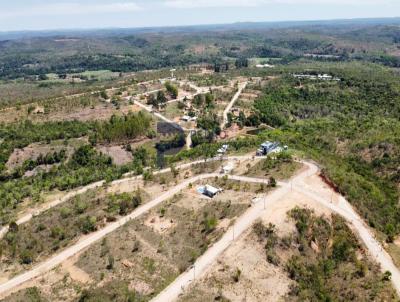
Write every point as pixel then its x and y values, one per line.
pixel 352 127
pixel 124 51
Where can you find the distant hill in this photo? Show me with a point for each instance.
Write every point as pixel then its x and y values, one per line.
pixel 200 28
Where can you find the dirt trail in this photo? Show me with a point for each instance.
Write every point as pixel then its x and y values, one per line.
pixel 241 87
pixel 26 216
pixel 297 183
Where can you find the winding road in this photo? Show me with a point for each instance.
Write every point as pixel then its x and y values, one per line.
pixel 297 183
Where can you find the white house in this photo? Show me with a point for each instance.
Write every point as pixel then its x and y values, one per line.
pixel 187 118
pixel 265 66
pixel 209 191
pixel 228 168
pixel 223 149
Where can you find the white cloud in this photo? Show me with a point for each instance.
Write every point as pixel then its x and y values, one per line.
pixel 256 3
pixel 63 9
pixel 212 3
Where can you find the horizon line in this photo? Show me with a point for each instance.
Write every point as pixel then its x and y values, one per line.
pixel 78 29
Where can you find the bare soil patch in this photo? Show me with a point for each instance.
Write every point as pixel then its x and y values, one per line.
pixel 19 156
pixel 118 154
pixel 159 224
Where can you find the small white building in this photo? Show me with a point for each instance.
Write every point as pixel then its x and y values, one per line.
pixel 223 149
pixel 228 168
pixel 265 66
pixel 209 191
pixel 187 118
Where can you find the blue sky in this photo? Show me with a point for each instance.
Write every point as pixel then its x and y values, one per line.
pixel 63 14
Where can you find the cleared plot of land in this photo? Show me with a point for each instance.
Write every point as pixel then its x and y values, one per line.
pixel 211 219
pixel 258 268
pixel 19 156
pixel 67 110
pixel 61 226
pixel 258 280
pixel 145 255
pixel 118 154
pixel 279 168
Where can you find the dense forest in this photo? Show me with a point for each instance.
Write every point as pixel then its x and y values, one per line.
pixel 139 50
pixel 351 127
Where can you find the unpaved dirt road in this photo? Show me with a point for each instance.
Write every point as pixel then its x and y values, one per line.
pixel 228 108
pixel 128 177
pixel 92 238
pixel 297 183
pixel 344 209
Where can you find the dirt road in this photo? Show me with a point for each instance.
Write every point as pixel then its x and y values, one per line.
pixel 245 221
pixel 344 209
pixel 127 177
pixel 92 238
pixel 241 87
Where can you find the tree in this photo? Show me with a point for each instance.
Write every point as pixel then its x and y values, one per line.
pixel 241 63
pixel 88 224
pixel 387 276
pixel 210 124
pixel 104 94
pixel 241 119
pixel 209 99
pixel 110 264
pixel 124 207
pixel 43 77
pixel 152 100
pixel 13 227
pixel 198 100
pixel 181 105
pixel 171 89
pixel 161 99
pixel 26 257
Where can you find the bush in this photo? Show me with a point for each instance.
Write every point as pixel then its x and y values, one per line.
pixel 88 224
pixel 110 264
pixel 26 257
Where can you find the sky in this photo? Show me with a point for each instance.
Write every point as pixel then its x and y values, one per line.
pixel 72 14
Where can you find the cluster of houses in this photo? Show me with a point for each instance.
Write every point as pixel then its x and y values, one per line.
pixel 321 56
pixel 323 77
pixel 268 148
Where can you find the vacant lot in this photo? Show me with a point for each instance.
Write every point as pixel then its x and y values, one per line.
pixel 145 255
pixel 281 259
pixel 118 154
pixel 61 226
pixel 33 151
pixel 279 168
